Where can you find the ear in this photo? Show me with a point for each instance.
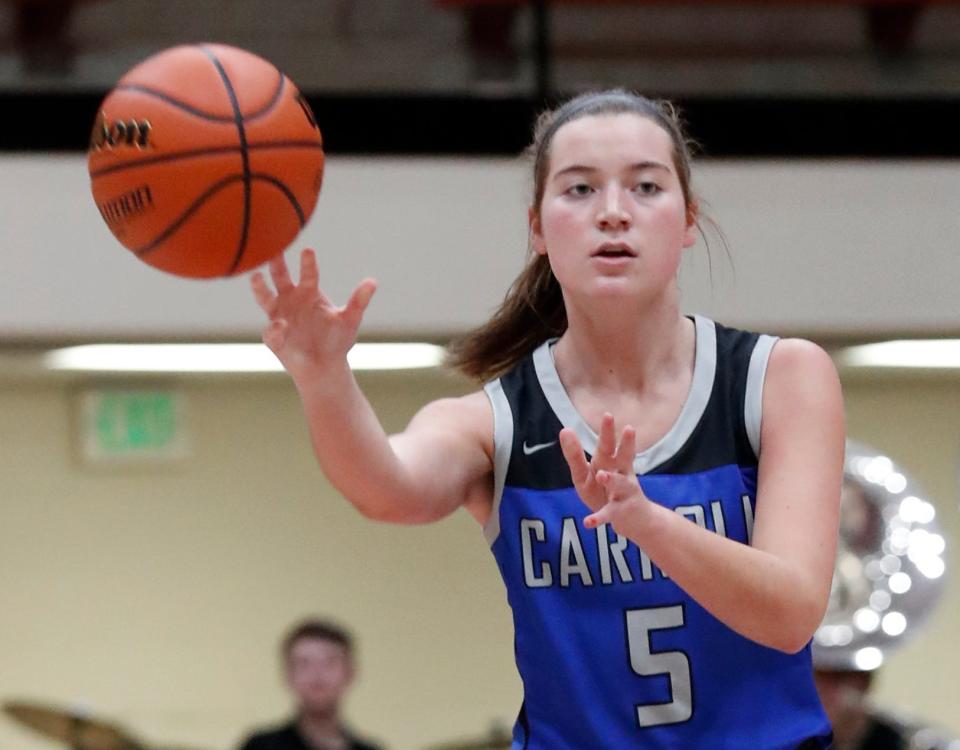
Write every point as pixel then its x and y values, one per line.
pixel 536 234
pixel 690 234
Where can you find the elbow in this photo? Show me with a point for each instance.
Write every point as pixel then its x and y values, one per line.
pixel 377 510
pixel 392 510
pixel 797 625
pixel 791 642
pixel 787 638
pixel 371 511
pixel 371 505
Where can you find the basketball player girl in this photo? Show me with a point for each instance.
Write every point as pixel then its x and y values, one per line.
pixel 660 492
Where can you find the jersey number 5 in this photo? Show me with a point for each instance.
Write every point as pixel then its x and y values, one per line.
pixel 647 663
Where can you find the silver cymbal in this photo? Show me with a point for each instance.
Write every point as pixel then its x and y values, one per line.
pixel 889 571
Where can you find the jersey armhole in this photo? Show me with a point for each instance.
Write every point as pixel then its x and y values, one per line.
pixel 502 448
pixel 753 395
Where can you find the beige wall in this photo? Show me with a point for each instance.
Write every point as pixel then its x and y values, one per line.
pixel 916 421
pixel 410 222
pixel 155 596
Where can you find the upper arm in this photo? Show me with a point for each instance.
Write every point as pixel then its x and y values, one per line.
pixel 801 462
pixel 447 454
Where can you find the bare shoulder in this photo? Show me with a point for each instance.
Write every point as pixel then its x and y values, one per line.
pixel 801 387
pixel 472 407
pixel 470 414
pixel 801 363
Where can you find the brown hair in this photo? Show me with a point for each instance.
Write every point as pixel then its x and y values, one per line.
pixel 315 628
pixel 533 309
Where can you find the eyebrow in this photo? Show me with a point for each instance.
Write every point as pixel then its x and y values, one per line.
pixel 638 167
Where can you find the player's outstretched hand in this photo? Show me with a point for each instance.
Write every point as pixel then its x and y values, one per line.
pixel 606 483
pixel 307 331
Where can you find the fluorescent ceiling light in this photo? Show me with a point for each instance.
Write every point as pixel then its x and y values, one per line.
pixel 226 357
pixel 919 353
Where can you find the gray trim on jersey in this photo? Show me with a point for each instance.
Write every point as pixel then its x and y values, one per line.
pixel 701 386
pixel 502 447
pixel 753 396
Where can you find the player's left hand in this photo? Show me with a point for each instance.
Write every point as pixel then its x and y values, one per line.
pixel 608 479
pixel 625 502
pixel 611 455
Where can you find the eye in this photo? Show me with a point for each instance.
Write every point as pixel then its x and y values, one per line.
pixel 647 188
pixel 579 190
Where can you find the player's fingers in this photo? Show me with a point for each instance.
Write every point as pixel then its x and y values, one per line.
pixel 280 275
pixel 602 516
pixel 275 334
pixel 607 441
pixel 262 293
pixel 626 450
pixel 573 453
pixel 617 486
pixel 309 273
pixel 357 304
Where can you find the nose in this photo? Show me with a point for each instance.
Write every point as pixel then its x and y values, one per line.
pixel 613 213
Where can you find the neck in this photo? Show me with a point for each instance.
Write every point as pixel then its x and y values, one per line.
pixel 847 735
pixel 321 729
pixel 624 349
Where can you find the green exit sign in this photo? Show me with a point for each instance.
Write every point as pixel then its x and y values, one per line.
pixel 132 425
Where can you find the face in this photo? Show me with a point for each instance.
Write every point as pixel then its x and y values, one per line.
pixel 613 219
pixel 319 673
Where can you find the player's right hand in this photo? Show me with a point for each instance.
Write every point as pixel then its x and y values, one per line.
pixel 307 332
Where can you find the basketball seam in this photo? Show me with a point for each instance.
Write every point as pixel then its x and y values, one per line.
pixel 286 191
pixel 214 150
pixel 140 252
pixel 271 104
pixel 156 93
pixel 245 158
pixel 185 215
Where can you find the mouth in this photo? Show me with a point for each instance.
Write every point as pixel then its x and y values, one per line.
pixel 614 250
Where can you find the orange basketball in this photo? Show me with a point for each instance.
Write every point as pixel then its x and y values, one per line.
pixel 205 161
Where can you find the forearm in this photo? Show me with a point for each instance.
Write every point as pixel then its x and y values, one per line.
pixel 442 459
pixel 761 596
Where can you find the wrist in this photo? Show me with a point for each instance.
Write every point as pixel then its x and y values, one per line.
pixel 321 381
pixel 643 519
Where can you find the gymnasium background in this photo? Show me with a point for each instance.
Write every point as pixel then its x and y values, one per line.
pixel 154 594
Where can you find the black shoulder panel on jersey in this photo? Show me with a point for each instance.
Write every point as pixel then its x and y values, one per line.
pixel 536 460
pixel 721 436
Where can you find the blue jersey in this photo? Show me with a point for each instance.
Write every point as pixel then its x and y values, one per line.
pixel 613 655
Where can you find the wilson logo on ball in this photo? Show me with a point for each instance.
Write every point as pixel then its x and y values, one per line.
pixel 132 133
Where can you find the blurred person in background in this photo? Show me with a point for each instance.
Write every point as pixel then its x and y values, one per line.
pixel 855 725
pixel 319 669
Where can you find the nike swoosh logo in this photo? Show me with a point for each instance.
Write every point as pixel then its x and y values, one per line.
pixel 530 449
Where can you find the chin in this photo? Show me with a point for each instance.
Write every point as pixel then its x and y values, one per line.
pixel 616 287
pixel 320 702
